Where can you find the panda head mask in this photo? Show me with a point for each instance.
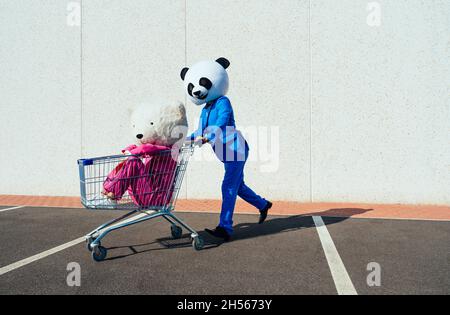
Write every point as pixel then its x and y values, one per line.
pixel 206 81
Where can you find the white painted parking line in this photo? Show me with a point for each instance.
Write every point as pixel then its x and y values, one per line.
pixel 12 208
pixel 342 281
pixel 47 253
pixel 59 248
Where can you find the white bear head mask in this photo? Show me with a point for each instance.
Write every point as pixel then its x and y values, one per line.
pixel 159 123
pixel 206 81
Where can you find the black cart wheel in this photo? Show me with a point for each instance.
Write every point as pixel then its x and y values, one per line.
pixel 177 231
pixel 198 243
pixel 99 253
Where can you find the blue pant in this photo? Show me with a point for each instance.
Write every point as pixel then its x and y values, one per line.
pixel 232 186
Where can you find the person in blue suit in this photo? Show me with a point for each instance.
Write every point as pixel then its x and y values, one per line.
pixel 207 83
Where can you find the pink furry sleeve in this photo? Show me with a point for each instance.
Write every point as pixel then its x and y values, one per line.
pixel 148 149
pixel 129 148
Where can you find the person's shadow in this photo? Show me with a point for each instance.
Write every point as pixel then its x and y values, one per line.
pixel 242 231
pixel 291 223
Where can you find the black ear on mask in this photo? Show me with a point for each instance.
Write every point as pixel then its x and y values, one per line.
pixel 183 73
pixel 223 62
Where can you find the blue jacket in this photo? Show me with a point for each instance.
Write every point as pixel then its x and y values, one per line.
pixel 218 126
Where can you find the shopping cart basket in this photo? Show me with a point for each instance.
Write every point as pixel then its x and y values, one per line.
pixel 150 187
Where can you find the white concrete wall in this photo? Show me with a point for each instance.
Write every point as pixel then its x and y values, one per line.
pixel 362 111
pixel 40 118
pixel 381 102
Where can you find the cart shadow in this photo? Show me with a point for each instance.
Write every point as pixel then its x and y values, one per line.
pixel 164 243
pixel 243 231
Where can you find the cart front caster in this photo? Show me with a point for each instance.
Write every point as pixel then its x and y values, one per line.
pixel 89 241
pixel 99 253
pixel 177 232
pixel 198 243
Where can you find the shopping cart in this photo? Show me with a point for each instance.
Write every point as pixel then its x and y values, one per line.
pixel 150 184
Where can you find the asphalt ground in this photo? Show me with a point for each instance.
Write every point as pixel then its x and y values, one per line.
pixel 285 255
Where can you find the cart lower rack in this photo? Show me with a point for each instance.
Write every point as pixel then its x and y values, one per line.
pixel 146 186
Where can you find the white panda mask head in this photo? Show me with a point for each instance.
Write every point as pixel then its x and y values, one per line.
pixel 206 81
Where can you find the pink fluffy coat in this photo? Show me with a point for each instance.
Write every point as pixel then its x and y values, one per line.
pixel 148 180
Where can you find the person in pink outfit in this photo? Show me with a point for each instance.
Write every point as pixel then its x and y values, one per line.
pixel 147 174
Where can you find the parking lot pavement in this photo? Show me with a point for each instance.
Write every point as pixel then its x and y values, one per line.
pixel 280 257
pixel 413 256
pixel 283 256
pixel 31 230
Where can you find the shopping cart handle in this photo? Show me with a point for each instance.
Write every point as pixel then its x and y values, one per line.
pixel 85 162
pixel 91 161
pixel 191 143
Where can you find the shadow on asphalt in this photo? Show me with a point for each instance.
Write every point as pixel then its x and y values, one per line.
pixel 292 223
pixel 244 231
pixel 166 242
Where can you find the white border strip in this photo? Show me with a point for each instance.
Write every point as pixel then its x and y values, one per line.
pixel 13 208
pixel 342 281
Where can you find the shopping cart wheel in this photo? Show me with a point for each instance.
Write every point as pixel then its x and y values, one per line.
pixel 198 243
pixel 177 231
pixel 99 253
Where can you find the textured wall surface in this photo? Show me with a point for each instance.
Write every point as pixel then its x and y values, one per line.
pixel 381 102
pixel 40 98
pixel 355 93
